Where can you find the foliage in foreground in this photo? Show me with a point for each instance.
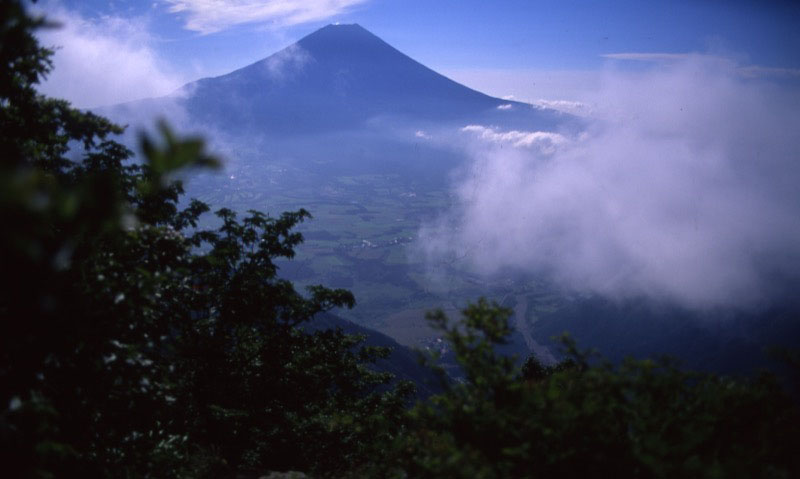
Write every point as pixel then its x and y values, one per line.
pixel 586 417
pixel 133 345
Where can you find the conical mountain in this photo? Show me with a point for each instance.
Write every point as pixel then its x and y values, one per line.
pixel 336 78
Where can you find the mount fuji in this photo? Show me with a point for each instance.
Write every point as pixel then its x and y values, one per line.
pixel 339 78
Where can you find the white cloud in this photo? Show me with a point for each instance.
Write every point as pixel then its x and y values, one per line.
pixel 748 71
pixel 647 57
pixel 683 188
pixel 287 62
pixel 505 106
pixel 209 16
pixel 422 134
pixel 567 106
pixel 528 85
pixel 543 141
pixel 104 61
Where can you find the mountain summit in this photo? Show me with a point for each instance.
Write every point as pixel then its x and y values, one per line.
pixel 337 78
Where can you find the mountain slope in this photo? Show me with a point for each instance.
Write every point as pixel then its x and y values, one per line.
pixel 403 362
pixel 341 77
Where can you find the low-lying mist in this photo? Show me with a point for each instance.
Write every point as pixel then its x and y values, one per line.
pixel 685 188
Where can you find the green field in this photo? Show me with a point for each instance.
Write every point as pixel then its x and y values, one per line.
pixel 363 237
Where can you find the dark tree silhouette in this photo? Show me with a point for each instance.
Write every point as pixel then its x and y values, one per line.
pixel 133 345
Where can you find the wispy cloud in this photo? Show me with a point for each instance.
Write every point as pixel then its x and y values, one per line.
pixel 754 71
pixel 647 57
pixel 209 16
pixel 543 141
pixel 567 91
pixel 748 71
pixel 287 62
pixel 104 61
pixel 568 106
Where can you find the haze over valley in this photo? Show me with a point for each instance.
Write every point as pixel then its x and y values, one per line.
pixel 655 210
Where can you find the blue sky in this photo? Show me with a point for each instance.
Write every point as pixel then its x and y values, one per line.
pixel 497 46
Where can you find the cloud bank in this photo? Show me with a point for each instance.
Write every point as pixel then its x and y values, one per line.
pixel 567 106
pixel 210 16
pixel 104 61
pixel 684 188
pixel 543 141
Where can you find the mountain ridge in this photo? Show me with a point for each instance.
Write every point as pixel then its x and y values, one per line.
pixel 337 78
pixel 330 42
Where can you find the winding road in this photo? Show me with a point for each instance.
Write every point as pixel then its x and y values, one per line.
pixel 542 353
